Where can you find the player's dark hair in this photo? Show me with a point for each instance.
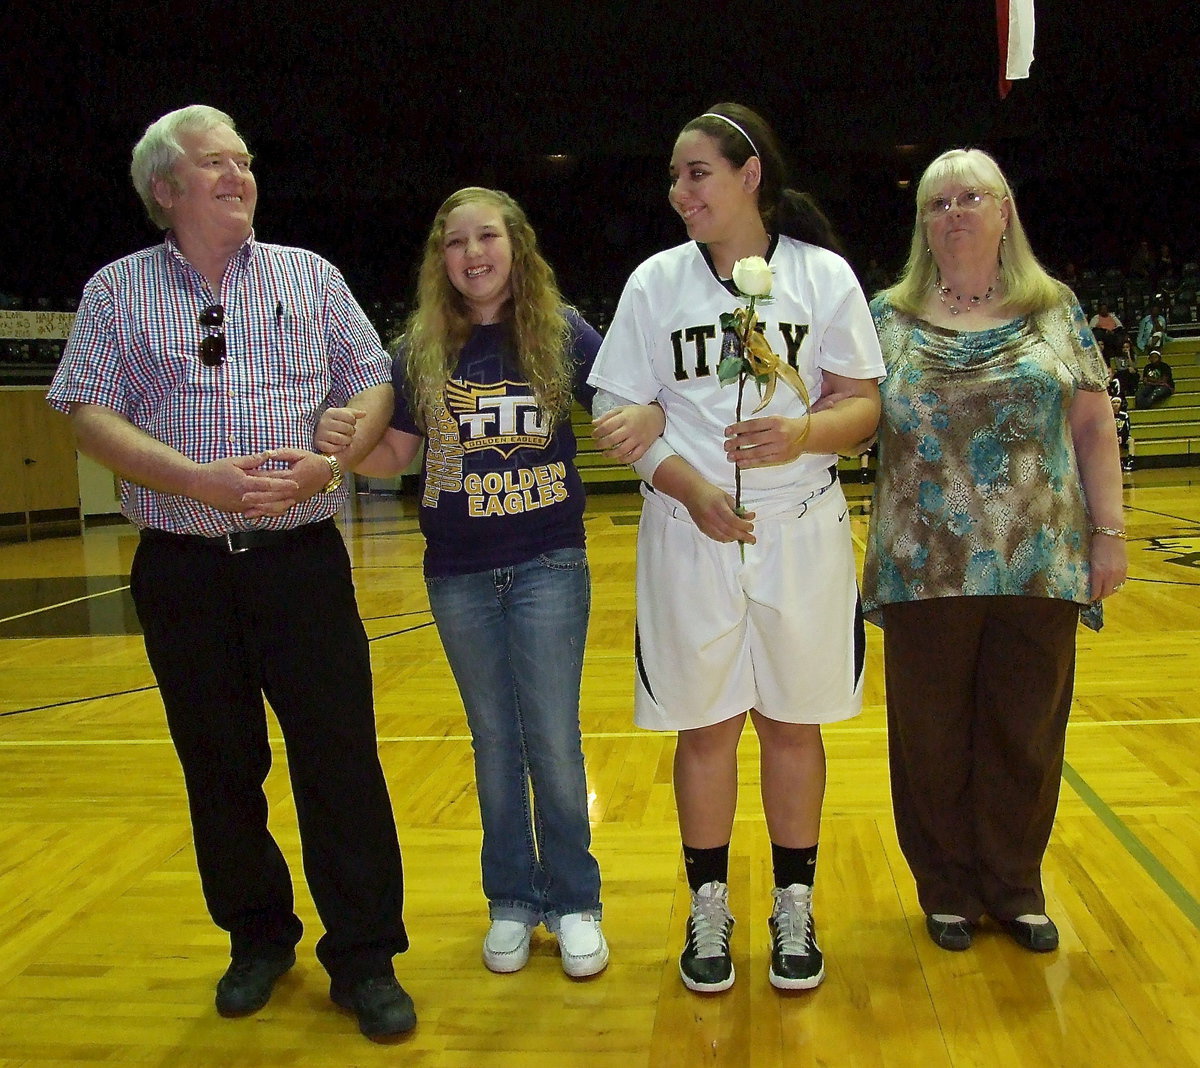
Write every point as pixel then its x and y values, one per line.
pixel 783 210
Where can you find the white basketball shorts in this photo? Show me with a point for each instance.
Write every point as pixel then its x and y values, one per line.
pixel 781 631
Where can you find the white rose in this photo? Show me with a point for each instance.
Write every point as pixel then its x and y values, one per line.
pixel 752 276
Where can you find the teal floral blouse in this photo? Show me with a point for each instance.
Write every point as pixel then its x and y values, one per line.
pixel 978 490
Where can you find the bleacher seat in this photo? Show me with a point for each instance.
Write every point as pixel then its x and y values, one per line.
pixel 1168 434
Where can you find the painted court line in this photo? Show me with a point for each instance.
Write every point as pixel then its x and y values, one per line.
pixel 62 604
pixel 1183 899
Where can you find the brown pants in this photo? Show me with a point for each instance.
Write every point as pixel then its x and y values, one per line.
pixel 978 694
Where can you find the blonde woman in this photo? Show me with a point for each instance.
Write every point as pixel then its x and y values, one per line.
pixel 997 520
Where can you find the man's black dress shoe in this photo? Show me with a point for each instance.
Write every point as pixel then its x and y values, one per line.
pixel 949 934
pixel 381 1005
pixel 247 983
pixel 1036 937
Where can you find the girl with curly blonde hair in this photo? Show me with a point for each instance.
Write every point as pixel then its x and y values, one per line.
pixel 484 375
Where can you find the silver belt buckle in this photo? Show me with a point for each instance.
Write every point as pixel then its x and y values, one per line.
pixel 229 543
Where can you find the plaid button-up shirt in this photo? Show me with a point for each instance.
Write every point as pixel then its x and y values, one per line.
pixel 296 344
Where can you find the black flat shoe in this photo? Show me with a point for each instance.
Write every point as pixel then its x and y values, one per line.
pixel 954 935
pixel 1035 937
pixel 247 984
pixel 382 1006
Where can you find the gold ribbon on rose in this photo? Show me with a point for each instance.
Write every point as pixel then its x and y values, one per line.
pixel 765 364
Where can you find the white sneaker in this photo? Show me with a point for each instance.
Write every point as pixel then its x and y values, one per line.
pixel 582 945
pixel 506 947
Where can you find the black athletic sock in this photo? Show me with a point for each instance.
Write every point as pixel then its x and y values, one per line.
pixel 706 865
pixel 794 865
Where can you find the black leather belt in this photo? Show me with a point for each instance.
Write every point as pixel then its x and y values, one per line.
pixel 237 541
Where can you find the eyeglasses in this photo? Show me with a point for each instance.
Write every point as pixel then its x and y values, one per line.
pixel 212 348
pixel 967 200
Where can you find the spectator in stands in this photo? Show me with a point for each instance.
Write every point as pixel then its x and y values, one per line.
pixel 875 277
pixel 1069 275
pixel 1157 381
pixel 1143 260
pixel 1124 430
pixel 1116 388
pixel 1109 332
pixel 1165 267
pixel 1152 330
pixel 1124 368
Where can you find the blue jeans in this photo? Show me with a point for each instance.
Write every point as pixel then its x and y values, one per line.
pixel 514 638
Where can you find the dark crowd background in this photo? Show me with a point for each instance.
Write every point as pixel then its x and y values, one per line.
pixel 364 117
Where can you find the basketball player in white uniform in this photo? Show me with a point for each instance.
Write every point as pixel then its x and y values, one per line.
pixel 756 613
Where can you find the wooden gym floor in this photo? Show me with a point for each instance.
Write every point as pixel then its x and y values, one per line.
pixel 107 955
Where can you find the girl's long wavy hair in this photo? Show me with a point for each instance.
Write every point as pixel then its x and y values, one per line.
pixel 1027 288
pixel 439 326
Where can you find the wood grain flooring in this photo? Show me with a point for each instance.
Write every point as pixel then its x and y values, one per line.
pixel 107 955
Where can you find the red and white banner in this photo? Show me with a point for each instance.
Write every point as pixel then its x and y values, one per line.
pixel 1014 28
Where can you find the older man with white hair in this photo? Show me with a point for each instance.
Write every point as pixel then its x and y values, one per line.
pixel 197 370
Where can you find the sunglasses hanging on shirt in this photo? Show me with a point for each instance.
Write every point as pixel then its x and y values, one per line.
pixel 212 348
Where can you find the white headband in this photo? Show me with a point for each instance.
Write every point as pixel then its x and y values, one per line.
pixel 725 118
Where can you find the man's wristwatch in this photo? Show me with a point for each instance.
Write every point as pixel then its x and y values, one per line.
pixel 335 474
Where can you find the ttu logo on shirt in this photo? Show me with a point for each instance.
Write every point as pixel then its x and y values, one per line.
pixel 504 416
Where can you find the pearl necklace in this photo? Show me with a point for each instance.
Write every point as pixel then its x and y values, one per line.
pixel 973 302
